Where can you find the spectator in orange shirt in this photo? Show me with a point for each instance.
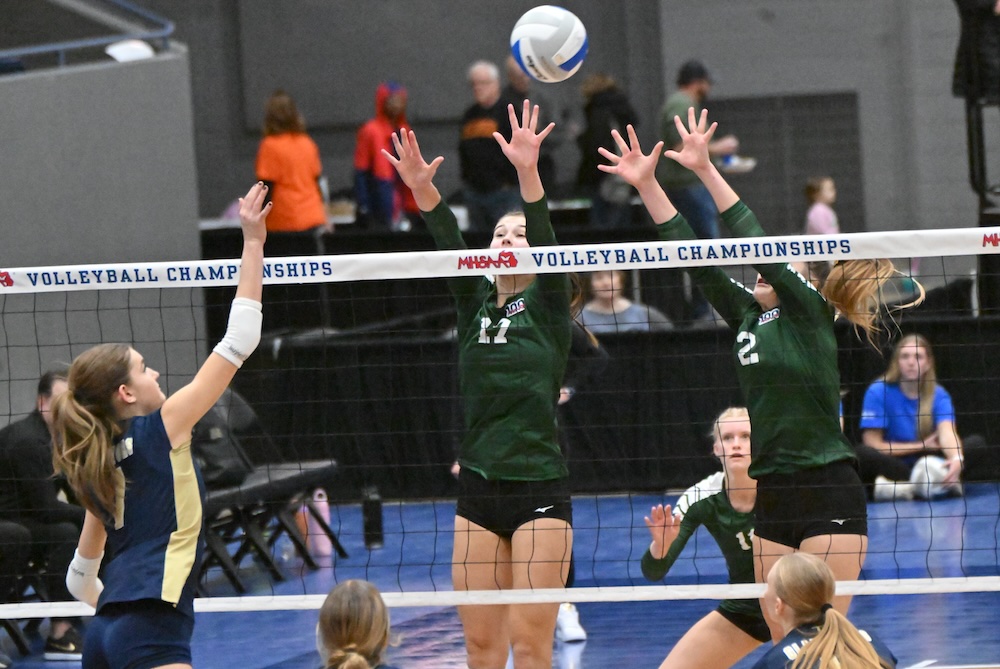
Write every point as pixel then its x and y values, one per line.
pixel 288 163
pixel 383 199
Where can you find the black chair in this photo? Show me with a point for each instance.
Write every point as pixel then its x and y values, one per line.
pixel 252 506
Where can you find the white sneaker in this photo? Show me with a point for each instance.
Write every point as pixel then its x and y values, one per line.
pixel 888 491
pixel 568 626
pixel 734 164
pixel 927 477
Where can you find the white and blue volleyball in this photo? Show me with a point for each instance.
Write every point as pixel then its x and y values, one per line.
pixel 549 43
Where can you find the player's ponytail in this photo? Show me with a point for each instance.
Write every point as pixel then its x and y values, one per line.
pixel 86 425
pixel 854 288
pixel 353 629
pixel 806 585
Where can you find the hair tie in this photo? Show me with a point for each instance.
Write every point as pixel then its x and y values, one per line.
pixel 825 608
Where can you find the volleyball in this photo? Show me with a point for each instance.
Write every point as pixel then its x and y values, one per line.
pixel 549 43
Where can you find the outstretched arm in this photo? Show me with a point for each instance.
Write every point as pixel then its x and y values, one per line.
pixel 415 172
pixel 523 148
pixel 695 154
pixel 639 170
pixel 187 406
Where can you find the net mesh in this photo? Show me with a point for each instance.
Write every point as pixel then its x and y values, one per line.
pixel 357 368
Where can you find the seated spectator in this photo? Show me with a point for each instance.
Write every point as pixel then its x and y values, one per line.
pixel 907 417
pixel 799 589
pixel 28 497
pixel 353 628
pixel 609 311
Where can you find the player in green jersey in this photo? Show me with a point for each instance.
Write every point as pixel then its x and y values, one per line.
pixel 723 503
pixel 513 521
pixel 809 495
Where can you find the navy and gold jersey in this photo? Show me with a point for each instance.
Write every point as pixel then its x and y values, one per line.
pixel 706 503
pixel 512 359
pixel 786 358
pixel 785 651
pixel 156 537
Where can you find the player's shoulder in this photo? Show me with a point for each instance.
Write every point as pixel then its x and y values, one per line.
pixel 701 491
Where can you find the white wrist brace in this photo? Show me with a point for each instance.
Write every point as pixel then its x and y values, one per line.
pixel 243 332
pixel 82 581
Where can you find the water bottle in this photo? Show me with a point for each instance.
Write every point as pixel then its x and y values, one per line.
pixel 318 541
pixel 371 514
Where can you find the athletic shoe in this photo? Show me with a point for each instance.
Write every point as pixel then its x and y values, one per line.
pixel 568 626
pixel 68 647
pixel 5 661
pixel 927 477
pixel 888 491
pixel 734 164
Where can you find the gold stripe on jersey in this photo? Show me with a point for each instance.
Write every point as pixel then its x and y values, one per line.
pixel 183 545
pixel 119 498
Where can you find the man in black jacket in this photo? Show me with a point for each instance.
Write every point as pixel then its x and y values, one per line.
pixel 29 497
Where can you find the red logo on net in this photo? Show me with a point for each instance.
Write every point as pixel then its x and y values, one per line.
pixel 6 280
pixel 504 259
pixel 992 239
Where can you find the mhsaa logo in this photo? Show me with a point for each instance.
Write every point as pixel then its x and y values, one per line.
pixel 992 239
pixel 5 279
pixel 505 259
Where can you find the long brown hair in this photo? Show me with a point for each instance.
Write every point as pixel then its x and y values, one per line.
pixel 281 115
pixel 854 288
pixel 806 585
pixel 86 425
pixel 353 626
pixel 926 385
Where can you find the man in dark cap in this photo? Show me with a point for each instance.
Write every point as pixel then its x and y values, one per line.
pixel 684 188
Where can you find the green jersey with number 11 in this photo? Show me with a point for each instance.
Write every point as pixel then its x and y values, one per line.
pixel 511 360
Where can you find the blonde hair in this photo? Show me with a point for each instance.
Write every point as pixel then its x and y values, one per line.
pixel 353 626
pixel 281 115
pixel 927 383
pixel 854 288
pixel 806 585
pixel 730 414
pixel 86 425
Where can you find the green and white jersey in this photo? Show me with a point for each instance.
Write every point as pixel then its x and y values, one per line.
pixel 706 503
pixel 786 358
pixel 511 359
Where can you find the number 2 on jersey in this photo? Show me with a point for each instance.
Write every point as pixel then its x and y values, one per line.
pixel 500 337
pixel 746 353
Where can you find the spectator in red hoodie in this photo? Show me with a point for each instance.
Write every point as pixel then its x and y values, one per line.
pixel 383 200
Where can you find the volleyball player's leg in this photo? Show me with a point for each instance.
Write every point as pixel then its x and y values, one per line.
pixel 481 560
pixel 845 554
pixel 541 552
pixel 713 642
pixel 765 554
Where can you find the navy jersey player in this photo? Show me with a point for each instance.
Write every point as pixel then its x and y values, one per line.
pixel 816 636
pixel 809 495
pixel 513 524
pixel 723 504
pixel 125 449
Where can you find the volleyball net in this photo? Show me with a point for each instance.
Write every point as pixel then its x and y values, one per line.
pixel 358 367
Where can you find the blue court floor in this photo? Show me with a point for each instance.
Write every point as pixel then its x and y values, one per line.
pixel 951 537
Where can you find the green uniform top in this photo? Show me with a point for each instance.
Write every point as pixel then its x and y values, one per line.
pixel 511 360
pixel 787 358
pixel 706 503
pixel 670 173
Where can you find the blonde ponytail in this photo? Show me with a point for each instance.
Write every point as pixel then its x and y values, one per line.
pixel 854 288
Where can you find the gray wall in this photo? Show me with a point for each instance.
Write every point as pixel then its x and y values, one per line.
pixel 97 165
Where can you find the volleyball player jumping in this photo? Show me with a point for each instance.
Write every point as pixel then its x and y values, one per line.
pixel 723 503
pixel 125 449
pixel 513 523
pixel 809 495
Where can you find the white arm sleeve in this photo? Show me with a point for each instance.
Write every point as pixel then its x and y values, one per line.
pixel 243 333
pixel 82 581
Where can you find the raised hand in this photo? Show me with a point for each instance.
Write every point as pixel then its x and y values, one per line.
pixel 632 165
pixel 525 140
pixel 415 172
pixel 253 213
pixel 663 528
pixel 695 139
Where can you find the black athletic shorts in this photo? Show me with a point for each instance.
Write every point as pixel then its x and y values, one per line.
pixel 503 506
pixel 753 625
pixel 137 635
pixel 810 503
